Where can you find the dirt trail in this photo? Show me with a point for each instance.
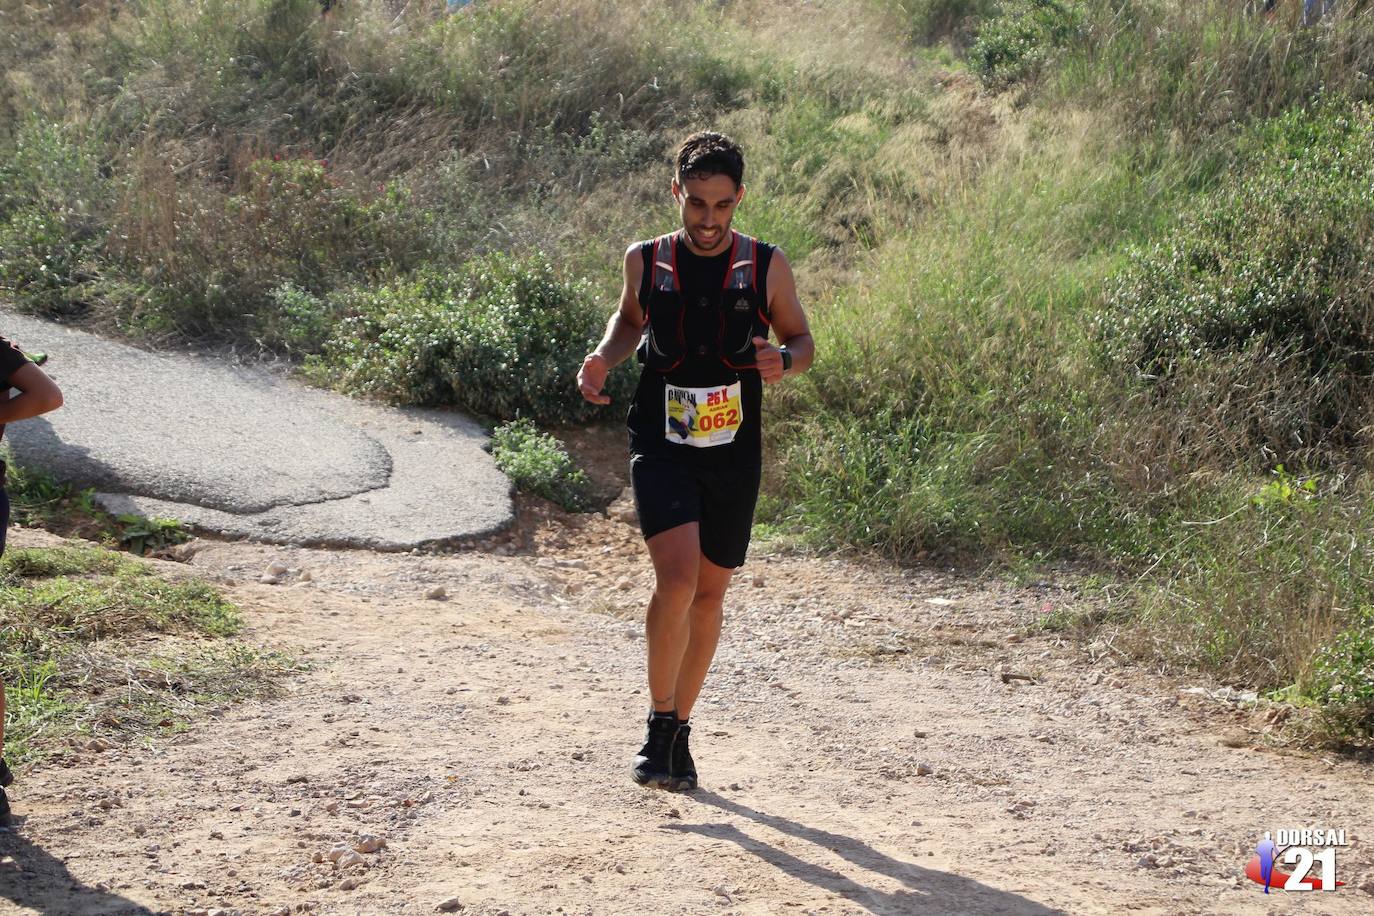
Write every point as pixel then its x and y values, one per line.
pixel 487 738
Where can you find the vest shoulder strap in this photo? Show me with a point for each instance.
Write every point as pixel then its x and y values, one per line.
pixel 665 263
pixel 742 274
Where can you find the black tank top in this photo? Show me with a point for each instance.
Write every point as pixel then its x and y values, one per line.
pixel 702 279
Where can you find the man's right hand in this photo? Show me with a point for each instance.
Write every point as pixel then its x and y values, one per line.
pixel 591 378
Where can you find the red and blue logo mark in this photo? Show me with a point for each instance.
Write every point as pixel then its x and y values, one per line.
pixel 1294 847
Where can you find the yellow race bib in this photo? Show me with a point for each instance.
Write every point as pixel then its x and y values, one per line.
pixel 702 417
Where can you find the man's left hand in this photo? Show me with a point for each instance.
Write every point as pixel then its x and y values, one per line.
pixel 768 359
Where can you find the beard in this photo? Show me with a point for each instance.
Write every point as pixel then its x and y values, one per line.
pixel 719 239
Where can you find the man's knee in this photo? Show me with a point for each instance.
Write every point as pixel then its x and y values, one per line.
pixel 711 584
pixel 673 594
pixel 708 600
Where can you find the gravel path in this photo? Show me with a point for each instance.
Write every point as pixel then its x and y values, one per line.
pixel 244 452
pixel 860 746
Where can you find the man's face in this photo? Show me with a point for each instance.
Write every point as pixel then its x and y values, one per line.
pixel 707 204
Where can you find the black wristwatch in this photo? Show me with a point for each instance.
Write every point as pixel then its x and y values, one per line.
pixel 786 358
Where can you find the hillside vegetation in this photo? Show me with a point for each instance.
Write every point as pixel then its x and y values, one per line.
pixel 1088 279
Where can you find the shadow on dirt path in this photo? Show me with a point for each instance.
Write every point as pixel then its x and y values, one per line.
pixel 925 890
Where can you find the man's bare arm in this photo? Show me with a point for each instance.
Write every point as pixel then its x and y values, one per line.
pixel 789 324
pixel 622 335
pixel 38 394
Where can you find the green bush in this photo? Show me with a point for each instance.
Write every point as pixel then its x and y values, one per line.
pixel 52 205
pixel 537 463
pixel 1342 679
pixel 1015 45
pixel 503 337
pixel 930 21
pixel 1261 302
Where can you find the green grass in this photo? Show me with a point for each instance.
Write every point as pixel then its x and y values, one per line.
pixel 1038 243
pixel 79 655
pixel 37 499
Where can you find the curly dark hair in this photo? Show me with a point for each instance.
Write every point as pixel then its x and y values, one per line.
pixel 706 153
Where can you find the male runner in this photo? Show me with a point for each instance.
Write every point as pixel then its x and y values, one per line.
pixel 38 394
pixel 697 306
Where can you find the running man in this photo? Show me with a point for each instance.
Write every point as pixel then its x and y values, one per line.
pixel 38 394
pixel 696 308
pixel 1265 850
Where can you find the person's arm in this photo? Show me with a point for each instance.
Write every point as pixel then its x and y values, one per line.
pixel 789 324
pixel 38 394
pixel 622 333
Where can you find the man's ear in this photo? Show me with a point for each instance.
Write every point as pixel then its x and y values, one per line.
pixel 739 195
pixel 677 191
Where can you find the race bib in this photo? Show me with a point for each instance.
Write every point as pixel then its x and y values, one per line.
pixel 702 417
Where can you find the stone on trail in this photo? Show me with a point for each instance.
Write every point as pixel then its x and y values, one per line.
pixel 276 568
pixel 349 859
pixel 451 905
pixel 924 769
pixel 369 843
pixel 337 852
pixel 350 884
pixel 437 593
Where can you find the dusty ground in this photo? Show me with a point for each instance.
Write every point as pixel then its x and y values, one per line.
pixel 486 737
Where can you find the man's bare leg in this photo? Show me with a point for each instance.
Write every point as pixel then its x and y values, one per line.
pixel 704 621
pixel 675 554
pixel 676 557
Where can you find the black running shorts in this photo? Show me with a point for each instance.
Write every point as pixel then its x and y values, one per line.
pixel 669 493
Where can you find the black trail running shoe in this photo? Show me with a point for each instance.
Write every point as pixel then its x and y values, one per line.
pixel 684 767
pixel 653 765
pixel 4 809
pixel 6 777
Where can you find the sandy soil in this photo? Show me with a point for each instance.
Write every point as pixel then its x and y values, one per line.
pixel 861 749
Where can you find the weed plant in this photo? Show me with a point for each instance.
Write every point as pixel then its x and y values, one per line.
pixel 76 659
pixel 538 463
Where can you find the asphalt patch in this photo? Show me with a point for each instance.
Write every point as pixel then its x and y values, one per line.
pixel 243 450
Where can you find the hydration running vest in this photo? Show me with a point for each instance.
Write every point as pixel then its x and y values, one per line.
pixel 741 314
